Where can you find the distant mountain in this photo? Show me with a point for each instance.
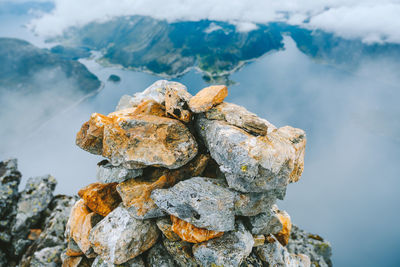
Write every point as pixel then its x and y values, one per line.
pixel 215 48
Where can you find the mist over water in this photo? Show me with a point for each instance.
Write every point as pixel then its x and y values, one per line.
pixel 350 189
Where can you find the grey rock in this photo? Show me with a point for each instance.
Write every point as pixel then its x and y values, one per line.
pixel 165 226
pixel 203 202
pixel 119 237
pixel 158 256
pixel 79 261
pixel 181 252
pixel 10 178
pixel 252 261
pixel 19 246
pixel 155 92
pixel 135 262
pixel 108 173
pixel 250 163
pixel 3 259
pixel 240 117
pixel 152 212
pixel 176 101
pixel 33 202
pixel 251 204
pixel 314 246
pixel 276 255
pixel 229 250
pixel 47 257
pixel 266 223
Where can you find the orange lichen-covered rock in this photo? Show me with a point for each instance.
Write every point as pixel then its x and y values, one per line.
pixel 207 98
pixel 135 193
pixel 73 249
pixel 165 226
pixel 80 222
pixel 34 234
pixel 90 136
pixel 150 107
pixel 146 140
pixel 284 234
pixel 190 233
pixel 100 198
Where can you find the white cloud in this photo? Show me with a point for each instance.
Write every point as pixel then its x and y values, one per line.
pixel 372 21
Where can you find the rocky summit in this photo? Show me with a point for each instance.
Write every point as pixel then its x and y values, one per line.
pixel 186 181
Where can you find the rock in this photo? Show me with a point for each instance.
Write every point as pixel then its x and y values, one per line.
pixel 158 256
pixel 250 163
pixel 53 228
pixel 165 226
pixel 181 252
pixel 229 250
pixel 107 173
pixel 284 234
pixel 251 204
pixel 90 136
pixel 190 233
pixel 266 223
pixel 207 98
pixel 203 202
pixel 176 102
pixel 79 261
pixel 10 178
pixel 252 261
pixel 150 107
pixel 135 262
pixel 258 240
pixel 3 259
pixel 73 249
pixel 275 254
pixel 126 101
pixel 49 257
pixel 119 237
pixel 147 140
pixel 33 201
pixel 81 221
pixel 34 234
pixel 298 139
pixel 315 247
pixel 100 198
pixel 135 193
pixel 240 117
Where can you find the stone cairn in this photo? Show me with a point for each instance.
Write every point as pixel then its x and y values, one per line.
pixel 188 181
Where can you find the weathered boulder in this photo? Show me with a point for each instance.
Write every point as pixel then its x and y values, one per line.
pixel 47 257
pixel 250 163
pixel 108 173
pixel 73 249
pixel 150 107
pixel 165 226
pixel 155 92
pixel 203 202
pixel 100 198
pixel 258 240
pixel 267 222
pixel 80 223
pixel 135 262
pixel 283 235
pixel 252 261
pixel 314 246
pixel 181 252
pixel 190 233
pixel 158 256
pixel 145 140
pixel 176 102
pixel 33 201
pixel 207 98
pixel 90 136
pixel 79 261
pixel 229 250
pixel 119 237
pixel 10 178
pixel 275 254
pixel 240 117
pixel 251 204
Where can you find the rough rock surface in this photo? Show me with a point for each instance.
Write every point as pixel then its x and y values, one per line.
pixel 200 201
pixel 165 226
pixel 240 117
pixel 108 173
pixel 250 163
pixel 207 98
pixel 229 250
pixel 314 246
pixel 251 204
pixel 158 256
pixel 181 252
pixel 135 262
pixel 145 140
pixel 100 198
pixel 176 102
pixel 10 178
pixel 190 233
pixel 119 237
pixel 276 255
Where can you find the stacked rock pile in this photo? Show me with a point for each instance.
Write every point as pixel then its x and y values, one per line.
pixel 188 181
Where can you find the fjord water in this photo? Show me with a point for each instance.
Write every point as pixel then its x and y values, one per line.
pixel 349 191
